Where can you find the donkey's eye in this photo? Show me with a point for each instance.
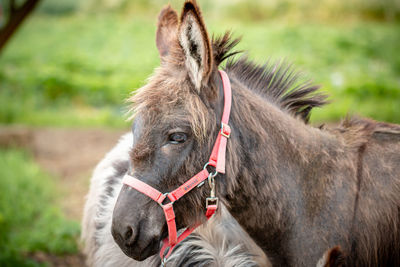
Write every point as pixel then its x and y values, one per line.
pixel 177 138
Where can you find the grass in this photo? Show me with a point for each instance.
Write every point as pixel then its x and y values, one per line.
pixel 357 65
pixel 79 68
pixel 30 219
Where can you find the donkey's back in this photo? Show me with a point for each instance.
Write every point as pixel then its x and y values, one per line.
pixel 375 232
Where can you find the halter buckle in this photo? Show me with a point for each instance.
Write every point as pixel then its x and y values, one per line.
pixel 225 130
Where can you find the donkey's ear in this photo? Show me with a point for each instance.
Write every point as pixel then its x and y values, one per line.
pixel 195 43
pixel 167 28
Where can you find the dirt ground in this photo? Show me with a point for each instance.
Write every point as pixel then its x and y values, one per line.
pixel 70 156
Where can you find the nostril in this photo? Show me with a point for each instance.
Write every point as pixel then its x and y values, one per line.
pixel 128 233
pixel 130 237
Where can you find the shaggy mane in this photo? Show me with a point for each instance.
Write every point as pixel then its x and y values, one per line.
pixel 278 82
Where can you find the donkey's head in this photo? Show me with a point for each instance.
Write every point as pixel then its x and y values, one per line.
pixel 174 113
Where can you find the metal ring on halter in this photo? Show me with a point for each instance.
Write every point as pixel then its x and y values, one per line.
pixel 166 197
pixel 213 174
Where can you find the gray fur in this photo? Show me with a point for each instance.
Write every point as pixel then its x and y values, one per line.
pixel 221 242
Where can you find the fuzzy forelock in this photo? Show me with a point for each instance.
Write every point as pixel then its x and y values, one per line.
pixel 165 93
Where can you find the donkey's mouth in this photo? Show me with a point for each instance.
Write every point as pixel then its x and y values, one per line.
pixel 140 251
pixel 138 254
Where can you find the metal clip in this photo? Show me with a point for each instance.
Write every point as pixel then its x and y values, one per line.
pixel 211 183
pixel 211 200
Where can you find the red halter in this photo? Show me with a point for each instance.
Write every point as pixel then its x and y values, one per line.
pixel 217 160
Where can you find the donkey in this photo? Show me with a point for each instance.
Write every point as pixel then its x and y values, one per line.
pixel 297 190
pixel 222 242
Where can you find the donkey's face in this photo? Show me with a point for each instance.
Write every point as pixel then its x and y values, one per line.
pixel 174 113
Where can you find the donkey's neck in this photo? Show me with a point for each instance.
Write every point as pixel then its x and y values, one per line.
pixel 267 158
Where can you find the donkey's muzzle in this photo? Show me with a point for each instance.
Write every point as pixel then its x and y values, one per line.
pixel 132 244
pixel 136 234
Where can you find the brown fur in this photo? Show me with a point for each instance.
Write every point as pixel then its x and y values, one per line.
pixel 166 30
pixel 297 190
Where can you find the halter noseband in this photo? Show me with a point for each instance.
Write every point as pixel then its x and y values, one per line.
pixel 217 160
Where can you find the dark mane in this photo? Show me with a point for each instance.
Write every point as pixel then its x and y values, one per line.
pixel 278 81
pixel 223 47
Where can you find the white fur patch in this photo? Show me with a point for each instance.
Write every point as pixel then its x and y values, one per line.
pixel 100 248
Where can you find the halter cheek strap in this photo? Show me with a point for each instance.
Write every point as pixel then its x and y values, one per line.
pixel 217 160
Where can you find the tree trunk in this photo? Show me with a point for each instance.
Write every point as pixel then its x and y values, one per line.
pixel 17 16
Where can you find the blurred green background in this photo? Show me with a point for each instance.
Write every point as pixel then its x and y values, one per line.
pixel 74 62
